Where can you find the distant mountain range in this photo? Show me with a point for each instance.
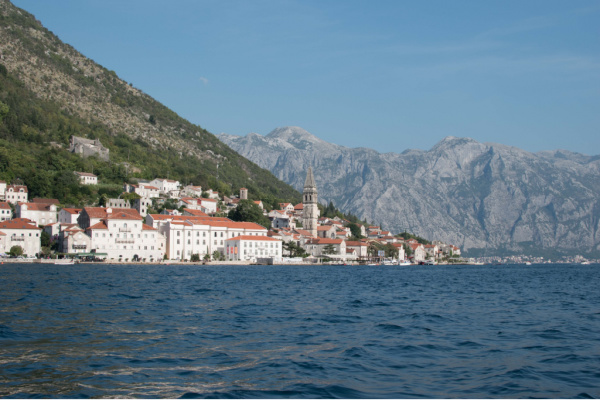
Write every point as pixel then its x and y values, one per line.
pixel 486 198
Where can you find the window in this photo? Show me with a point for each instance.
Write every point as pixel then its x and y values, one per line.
pixel 178 233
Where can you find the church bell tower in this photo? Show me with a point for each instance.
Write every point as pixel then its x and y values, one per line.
pixel 311 211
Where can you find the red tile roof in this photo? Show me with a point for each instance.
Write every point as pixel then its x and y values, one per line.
pixel 116 213
pixel 255 238
pixel 18 223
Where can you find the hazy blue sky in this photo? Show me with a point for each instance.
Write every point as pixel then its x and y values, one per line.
pixel 388 75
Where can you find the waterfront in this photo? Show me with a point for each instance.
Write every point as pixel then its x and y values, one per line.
pixel 288 331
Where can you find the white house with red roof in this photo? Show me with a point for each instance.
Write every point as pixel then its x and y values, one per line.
pixel 73 239
pixel 86 178
pixel 16 193
pixel 250 248
pixel 209 206
pixel 40 213
pixel 122 234
pixel 361 248
pixel 317 247
pixel 69 215
pixel 20 232
pixel 5 211
pixel 286 207
pixel 189 235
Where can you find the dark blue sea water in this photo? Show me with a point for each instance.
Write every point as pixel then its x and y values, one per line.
pixel 303 332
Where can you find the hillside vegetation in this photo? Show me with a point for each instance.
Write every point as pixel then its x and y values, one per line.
pixel 49 91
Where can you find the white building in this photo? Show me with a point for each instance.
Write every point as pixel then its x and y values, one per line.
pixel 318 247
pixel 20 232
pixel 189 235
pixel 5 211
pixel 122 234
pixel 16 193
pixel 167 187
pixel 208 206
pixel 73 239
pixel 2 190
pixel 143 189
pixel 85 178
pixel 361 248
pixel 40 213
pixel 249 248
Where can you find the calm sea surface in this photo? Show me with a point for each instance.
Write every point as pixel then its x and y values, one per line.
pixel 305 332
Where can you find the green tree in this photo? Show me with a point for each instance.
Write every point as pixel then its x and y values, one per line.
pixel 329 249
pixel 45 239
pixel 294 250
pixel 4 109
pixel 195 257
pixel 15 251
pixel 218 256
pixel 249 211
pixel 355 230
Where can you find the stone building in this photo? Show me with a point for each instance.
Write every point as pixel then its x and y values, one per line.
pixel 87 147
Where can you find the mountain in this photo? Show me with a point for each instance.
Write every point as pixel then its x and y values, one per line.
pixel 49 91
pixel 486 198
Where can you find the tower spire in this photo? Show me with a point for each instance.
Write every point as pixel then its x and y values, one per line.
pixel 311 210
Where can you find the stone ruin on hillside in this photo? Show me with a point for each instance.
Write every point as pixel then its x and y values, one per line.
pixel 88 147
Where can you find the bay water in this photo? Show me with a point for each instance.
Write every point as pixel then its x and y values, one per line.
pixel 188 331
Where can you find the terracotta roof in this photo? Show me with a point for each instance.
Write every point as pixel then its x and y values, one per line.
pixel 18 223
pixel 299 206
pixel 116 213
pixel 325 241
pixel 16 188
pixel 195 213
pixel 4 205
pixel 73 210
pixel 36 206
pixel 324 227
pixel 256 238
pixel 85 174
pixel 354 243
pixel 99 225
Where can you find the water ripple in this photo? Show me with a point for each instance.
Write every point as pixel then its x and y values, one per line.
pixel 299 332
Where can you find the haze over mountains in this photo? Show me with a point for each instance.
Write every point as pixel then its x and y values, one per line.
pixel 487 198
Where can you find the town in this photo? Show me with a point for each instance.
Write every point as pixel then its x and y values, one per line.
pixel 124 231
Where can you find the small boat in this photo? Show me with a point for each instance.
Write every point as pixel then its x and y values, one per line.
pixel 64 261
pixel 404 263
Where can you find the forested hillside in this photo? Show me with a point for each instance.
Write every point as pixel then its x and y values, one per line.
pixel 49 91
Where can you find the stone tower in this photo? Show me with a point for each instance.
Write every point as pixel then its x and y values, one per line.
pixel 311 211
pixel 243 194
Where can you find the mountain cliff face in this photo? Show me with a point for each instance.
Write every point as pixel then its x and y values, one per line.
pixel 486 198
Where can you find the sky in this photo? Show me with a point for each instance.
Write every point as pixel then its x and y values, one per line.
pixel 387 75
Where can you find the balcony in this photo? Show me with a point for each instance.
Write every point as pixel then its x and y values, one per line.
pixel 17 238
pixel 125 241
pixel 124 229
pixel 79 246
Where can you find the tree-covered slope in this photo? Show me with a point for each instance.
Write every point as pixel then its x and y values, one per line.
pixel 49 91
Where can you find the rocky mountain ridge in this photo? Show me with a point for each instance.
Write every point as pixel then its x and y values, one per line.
pixel 484 197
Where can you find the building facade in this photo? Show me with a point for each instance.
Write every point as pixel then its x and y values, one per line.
pixel 250 248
